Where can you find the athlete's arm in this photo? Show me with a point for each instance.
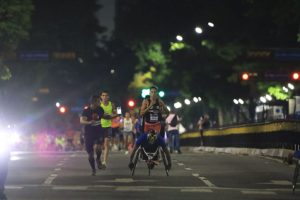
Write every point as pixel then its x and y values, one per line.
pixel 163 107
pixel 145 107
pixel 84 121
pixel 114 111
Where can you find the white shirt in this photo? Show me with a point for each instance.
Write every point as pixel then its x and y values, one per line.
pixel 128 125
pixel 168 121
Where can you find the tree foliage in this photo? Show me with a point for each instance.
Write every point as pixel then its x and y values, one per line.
pixel 15 21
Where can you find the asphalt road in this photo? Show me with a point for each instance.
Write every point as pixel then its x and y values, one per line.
pixel 61 176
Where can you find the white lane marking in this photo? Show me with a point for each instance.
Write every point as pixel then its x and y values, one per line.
pixel 190 188
pixel 196 190
pixel 60 164
pixel 57 169
pixel 13 187
pixel 258 192
pixel 207 182
pixel 69 187
pixel 123 180
pixel 73 155
pixel 278 182
pixel 53 175
pixel 196 175
pixel 135 189
pixel 14 158
pixel 50 179
pixel 180 164
pixel 187 168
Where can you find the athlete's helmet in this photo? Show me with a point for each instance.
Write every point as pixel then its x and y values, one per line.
pixel 151 136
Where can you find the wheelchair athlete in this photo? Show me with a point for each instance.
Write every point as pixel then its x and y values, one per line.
pixel 150 141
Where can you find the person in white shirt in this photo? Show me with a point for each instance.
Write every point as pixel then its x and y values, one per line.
pixel 172 122
pixel 128 132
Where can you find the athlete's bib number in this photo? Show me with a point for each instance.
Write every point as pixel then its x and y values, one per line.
pixel 153 117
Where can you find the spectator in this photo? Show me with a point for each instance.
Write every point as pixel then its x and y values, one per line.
pixel 172 123
pixel 203 124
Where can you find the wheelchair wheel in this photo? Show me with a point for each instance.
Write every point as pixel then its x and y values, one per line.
pixel 135 160
pixel 296 173
pixel 163 156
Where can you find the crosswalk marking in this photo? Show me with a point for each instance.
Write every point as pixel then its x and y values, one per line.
pixel 206 181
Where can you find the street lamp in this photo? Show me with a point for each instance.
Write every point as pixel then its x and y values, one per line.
pixel 263 99
pixel 285 89
pixel 241 101
pixel 210 24
pixel 268 97
pixel 187 101
pixel 195 99
pixel 291 86
pixel 177 105
pixel 198 30
pixel 179 38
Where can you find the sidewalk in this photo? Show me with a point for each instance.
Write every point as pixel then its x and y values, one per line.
pixel 277 153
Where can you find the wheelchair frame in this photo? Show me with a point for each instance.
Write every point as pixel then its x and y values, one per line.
pixel 150 161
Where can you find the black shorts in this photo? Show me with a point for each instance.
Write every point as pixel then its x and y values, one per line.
pixel 91 138
pixel 107 132
pixel 115 132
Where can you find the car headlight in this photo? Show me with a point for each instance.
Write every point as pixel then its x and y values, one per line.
pixel 4 142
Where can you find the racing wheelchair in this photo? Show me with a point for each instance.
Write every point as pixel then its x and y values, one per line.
pixel 150 158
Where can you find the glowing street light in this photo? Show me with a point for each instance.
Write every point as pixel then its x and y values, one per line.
pixel 198 30
pixel 241 101
pixel 285 89
pixel 177 105
pixel 195 99
pixel 269 97
pixel 263 99
pixel 179 38
pixel 291 86
pixel 210 24
pixel 187 101
pixel 57 104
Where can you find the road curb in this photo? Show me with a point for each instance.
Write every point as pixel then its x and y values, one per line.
pixel 278 153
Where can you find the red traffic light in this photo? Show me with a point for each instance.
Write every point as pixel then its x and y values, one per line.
pixel 131 103
pixel 295 76
pixel 245 76
pixel 62 110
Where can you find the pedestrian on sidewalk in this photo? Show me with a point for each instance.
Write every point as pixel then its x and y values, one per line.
pixel 203 124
